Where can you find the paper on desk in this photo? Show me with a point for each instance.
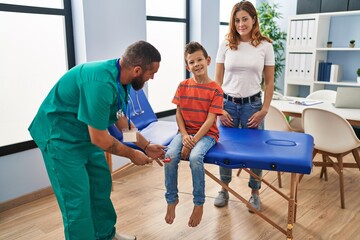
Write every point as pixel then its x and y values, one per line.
pixel 306 102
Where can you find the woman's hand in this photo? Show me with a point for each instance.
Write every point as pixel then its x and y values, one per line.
pixel 226 119
pixel 256 119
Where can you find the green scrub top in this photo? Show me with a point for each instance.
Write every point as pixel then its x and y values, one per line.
pixel 86 95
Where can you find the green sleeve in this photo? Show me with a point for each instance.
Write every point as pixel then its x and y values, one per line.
pixel 96 100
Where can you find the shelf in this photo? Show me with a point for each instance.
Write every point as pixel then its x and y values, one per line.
pixel 326 14
pixel 350 84
pixel 299 82
pixel 338 49
pixel 299 49
pixel 306 47
pixel 344 13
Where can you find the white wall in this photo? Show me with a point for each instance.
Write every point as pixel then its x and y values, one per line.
pixel 102 30
pixel 204 22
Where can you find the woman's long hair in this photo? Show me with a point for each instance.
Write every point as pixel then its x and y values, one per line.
pixel 233 36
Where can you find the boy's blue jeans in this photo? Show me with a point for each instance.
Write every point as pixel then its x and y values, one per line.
pixel 196 164
pixel 240 113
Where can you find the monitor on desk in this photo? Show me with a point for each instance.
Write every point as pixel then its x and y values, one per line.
pixel 348 97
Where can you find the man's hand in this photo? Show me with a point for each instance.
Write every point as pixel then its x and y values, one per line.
pixel 155 151
pixel 139 158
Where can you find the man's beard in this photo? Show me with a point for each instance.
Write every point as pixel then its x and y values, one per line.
pixel 137 83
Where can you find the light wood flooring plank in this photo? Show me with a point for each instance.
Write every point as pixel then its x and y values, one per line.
pixel 138 198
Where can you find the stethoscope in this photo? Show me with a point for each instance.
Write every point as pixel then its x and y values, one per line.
pixel 120 112
pixel 135 113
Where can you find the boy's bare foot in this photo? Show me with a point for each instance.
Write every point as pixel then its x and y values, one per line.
pixel 196 216
pixel 170 212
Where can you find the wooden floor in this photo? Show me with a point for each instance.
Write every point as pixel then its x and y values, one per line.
pixel 138 197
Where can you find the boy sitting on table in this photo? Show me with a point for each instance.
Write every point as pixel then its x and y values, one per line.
pixel 199 100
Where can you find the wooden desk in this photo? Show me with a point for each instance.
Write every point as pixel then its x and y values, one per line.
pixel 295 110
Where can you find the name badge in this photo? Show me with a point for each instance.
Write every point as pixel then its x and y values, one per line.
pixel 130 135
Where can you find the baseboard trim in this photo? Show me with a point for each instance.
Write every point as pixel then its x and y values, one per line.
pixel 26 198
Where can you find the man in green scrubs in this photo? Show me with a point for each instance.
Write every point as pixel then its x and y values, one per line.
pixel 70 128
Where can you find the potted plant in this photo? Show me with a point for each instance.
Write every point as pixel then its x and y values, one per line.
pixel 329 44
pixel 358 75
pixel 352 43
pixel 268 13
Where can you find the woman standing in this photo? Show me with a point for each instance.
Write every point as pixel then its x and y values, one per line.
pixel 243 59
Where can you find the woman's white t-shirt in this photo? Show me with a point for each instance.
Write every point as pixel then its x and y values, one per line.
pixel 244 67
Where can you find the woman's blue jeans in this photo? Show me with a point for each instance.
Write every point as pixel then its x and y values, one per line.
pixel 196 159
pixel 240 113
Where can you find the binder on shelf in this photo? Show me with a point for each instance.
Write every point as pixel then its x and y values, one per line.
pixel 296 65
pixel 320 70
pixel 291 63
pixel 308 66
pixel 327 70
pixel 304 33
pixel 311 32
pixel 302 65
pixel 292 33
pixel 335 73
pixel 324 70
pixel 298 33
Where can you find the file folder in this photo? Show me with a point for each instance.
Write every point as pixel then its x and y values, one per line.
pixel 308 66
pixel 292 33
pixel 304 33
pixel 298 33
pixel 311 33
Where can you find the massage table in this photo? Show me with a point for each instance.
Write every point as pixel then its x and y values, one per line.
pixel 243 148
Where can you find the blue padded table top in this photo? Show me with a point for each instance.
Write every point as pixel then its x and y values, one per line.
pixel 262 149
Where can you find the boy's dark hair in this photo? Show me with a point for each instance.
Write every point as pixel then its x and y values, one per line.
pixel 192 47
pixel 141 53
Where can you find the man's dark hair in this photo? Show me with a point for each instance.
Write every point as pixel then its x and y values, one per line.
pixel 141 54
pixel 192 47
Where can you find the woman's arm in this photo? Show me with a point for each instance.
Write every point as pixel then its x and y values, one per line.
pixel 269 72
pixel 219 73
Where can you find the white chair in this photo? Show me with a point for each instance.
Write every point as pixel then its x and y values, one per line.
pixel 275 120
pixel 324 94
pixel 333 137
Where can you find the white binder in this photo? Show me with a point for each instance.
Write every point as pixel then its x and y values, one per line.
pixel 304 33
pixel 292 33
pixel 298 33
pixel 335 73
pixel 297 65
pixel 308 67
pixel 302 65
pixel 311 33
pixel 291 69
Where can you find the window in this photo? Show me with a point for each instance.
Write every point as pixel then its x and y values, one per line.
pixel 167 29
pixel 36 49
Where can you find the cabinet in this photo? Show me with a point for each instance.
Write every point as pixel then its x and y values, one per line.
pixel 306 46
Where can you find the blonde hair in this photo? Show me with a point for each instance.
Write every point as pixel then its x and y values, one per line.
pixel 233 36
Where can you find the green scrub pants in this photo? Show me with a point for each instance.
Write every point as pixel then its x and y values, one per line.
pixel 82 188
